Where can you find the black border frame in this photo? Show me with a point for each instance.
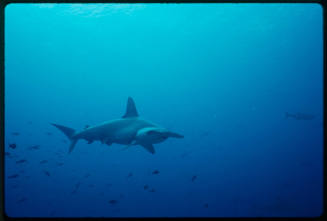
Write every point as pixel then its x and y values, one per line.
pixel 4 3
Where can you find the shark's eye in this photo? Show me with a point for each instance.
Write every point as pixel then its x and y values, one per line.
pixel 151 132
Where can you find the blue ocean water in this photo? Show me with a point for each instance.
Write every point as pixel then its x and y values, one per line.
pixel 222 75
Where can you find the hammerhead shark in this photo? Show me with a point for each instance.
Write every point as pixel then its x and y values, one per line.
pixel 128 130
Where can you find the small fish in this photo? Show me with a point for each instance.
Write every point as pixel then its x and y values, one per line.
pixel 112 202
pixel 155 172
pixel 21 161
pixel 206 133
pixel 185 154
pixel 46 173
pixel 59 154
pixel 43 161
pixel 206 205
pixel 13 176
pixel 77 185
pixel 300 116
pixel 13 146
pixel 60 164
pixel 48 133
pixel 14 186
pixel 22 200
pixel 194 178
pixel 305 163
pixel 86 126
pixel 146 187
pixel 130 175
pixel 35 147
pixel 7 154
pixel 87 175
pixel 152 190
pixel 15 133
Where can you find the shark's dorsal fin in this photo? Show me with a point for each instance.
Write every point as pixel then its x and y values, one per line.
pixel 130 109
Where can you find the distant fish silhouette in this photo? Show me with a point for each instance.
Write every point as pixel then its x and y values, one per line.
pixel 22 200
pixel 43 161
pixel 77 185
pixel 152 190
pixel 86 126
pixel 300 116
pixel 60 164
pixel 13 176
pixel 46 173
pixel 112 202
pixel 13 146
pixel 34 147
pixel 146 187
pixel 21 161
pixel 130 175
pixel 206 205
pixel 87 175
pixel 185 154
pixel 49 133
pixel 14 186
pixel 194 178
pixel 155 172
pixel 206 133
pixel 15 133
pixel 7 154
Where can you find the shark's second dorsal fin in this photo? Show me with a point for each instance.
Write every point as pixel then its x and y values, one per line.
pixel 130 109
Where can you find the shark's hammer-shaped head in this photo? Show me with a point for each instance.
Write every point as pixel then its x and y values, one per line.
pixel 153 135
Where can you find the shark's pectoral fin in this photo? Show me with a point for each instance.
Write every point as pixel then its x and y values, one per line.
pixel 106 141
pixel 148 147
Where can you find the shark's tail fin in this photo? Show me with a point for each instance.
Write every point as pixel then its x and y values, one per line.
pixel 69 132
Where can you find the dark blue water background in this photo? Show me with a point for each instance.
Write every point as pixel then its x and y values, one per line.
pixel 223 75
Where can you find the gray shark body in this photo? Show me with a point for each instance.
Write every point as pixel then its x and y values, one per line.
pixel 128 130
pixel 300 116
